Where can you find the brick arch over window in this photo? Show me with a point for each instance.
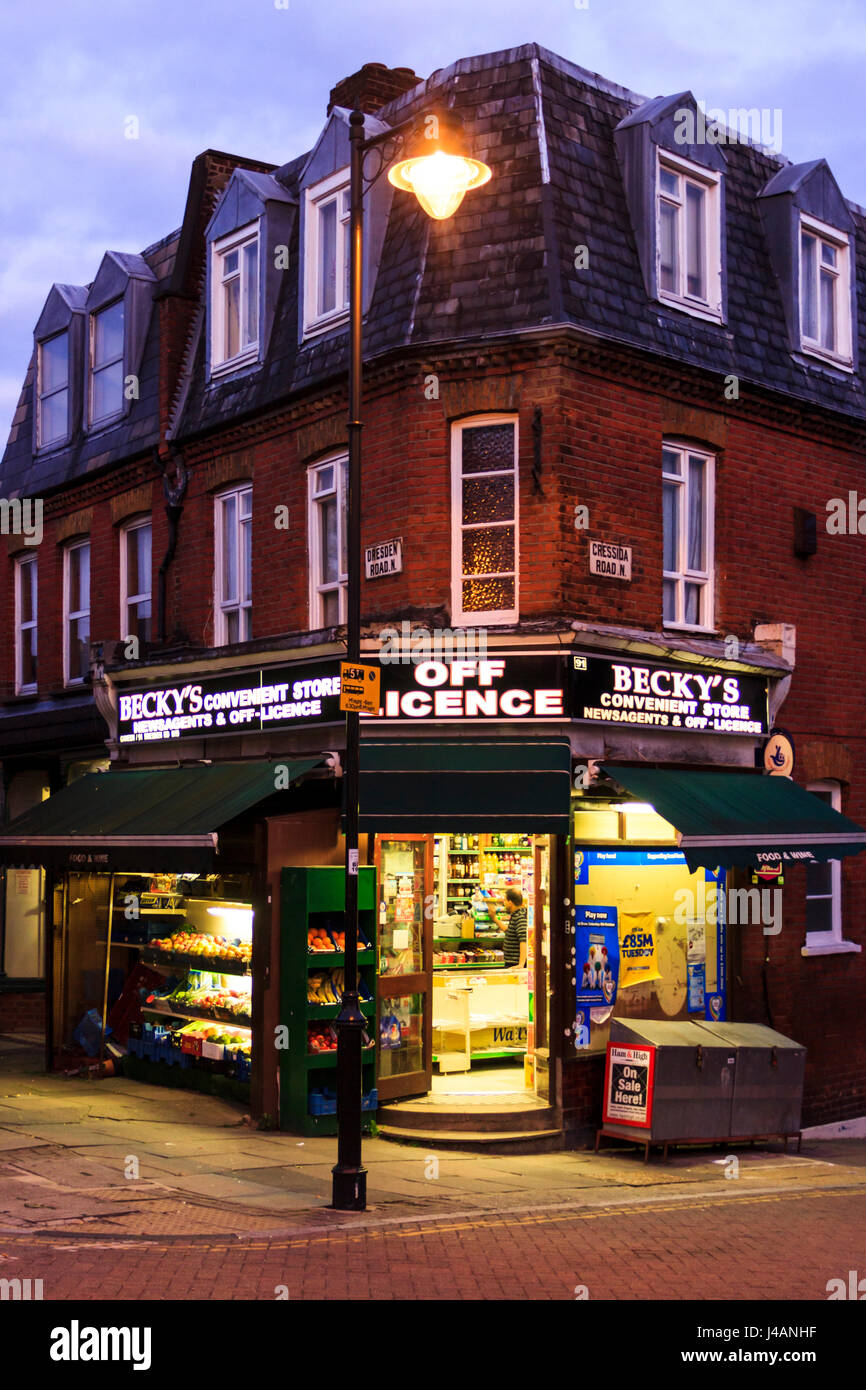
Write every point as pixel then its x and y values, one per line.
pixel 822 760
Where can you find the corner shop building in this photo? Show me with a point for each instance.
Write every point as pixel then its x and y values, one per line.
pixel 468 789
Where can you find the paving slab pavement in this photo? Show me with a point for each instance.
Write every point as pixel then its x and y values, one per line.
pixel 65 1142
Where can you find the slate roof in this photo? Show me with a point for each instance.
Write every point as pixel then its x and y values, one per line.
pixel 505 263
pixel 22 473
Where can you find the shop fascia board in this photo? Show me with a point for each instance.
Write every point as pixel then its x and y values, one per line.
pixel 697 651
pixel 605 743
pixel 206 840
pixel 217 664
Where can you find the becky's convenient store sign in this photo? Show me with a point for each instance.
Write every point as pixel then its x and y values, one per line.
pixel 258 700
pixel 696 698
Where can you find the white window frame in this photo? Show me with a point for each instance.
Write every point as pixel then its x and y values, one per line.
pixel 234 241
pixel 710 182
pixel 46 395
pixel 98 424
pixel 841 354
pixel 458 616
pixel 70 615
pixel 241 606
pixel 126 598
pixel 831 941
pixel 340 464
pixel 683 575
pixel 315 199
pixel 22 566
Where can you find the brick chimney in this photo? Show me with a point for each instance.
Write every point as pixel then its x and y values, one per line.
pixel 372 87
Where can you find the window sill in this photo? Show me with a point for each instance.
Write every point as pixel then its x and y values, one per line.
pixel 55 446
pixel 110 422
pixel 695 311
pixel 832 948
pixel 235 364
pixel 689 627
pixel 825 359
pixel 320 326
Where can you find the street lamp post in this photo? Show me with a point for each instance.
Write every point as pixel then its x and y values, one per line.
pixel 439 174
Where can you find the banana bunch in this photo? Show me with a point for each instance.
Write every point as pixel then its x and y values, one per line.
pixel 320 989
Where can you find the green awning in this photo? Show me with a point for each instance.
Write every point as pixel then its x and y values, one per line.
pixel 746 818
pixel 442 786
pixel 153 819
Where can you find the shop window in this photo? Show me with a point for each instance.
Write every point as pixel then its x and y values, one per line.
pixel 23 936
pixel 687 236
pixel 53 390
pixel 135 580
pixel 106 363
pixel 824 883
pixel 326 253
pixel 687 482
pixel 235 301
pixel 26 609
pixel 825 291
pixel 76 612
pixel 484 520
pixel 234 566
pixel 328 495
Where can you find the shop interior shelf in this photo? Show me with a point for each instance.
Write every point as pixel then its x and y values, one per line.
pixel 216 964
pixel 329 1059
pixel 498 1052
pixel 154 911
pixel 482 965
pixel 316 958
pixel 209 1015
pixel 368 1009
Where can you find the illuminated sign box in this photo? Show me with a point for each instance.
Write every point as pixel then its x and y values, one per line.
pixel 698 699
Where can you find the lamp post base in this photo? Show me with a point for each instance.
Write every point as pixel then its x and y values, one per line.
pixel 349 1189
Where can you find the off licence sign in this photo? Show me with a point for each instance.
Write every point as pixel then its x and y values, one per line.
pixel 359 687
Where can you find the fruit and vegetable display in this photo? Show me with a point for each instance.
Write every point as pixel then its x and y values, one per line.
pixel 326 987
pixel 192 943
pixel 329 939
pixel 209 998
pixel 322 1037
pixel 229 1037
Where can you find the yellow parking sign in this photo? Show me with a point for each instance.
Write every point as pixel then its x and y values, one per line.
pixel 359 687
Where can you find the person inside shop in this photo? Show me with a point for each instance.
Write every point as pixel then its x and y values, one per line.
pixel 514 945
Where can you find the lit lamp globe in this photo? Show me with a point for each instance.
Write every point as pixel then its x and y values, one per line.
pixel 437 171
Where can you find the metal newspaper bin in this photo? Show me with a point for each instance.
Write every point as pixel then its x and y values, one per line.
pixel 693 1082
pixel 768 1085
pixel 689 1084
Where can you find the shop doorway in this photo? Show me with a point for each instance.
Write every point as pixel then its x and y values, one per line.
pixel 464 957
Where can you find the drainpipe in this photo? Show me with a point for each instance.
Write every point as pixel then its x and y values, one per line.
pixel 174 494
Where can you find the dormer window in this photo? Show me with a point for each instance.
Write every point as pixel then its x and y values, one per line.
pixel 235 303
pixel 53 378
pixel 106 363
pixel 825 293
pixel 326 296
pixel 688 240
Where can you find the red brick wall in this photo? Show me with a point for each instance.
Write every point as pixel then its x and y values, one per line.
pixel 602 429
pixel 22 1013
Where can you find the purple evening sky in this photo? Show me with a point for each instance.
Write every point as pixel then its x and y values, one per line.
pixel 253 77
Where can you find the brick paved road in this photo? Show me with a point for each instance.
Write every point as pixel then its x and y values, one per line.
pixel 782 1245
